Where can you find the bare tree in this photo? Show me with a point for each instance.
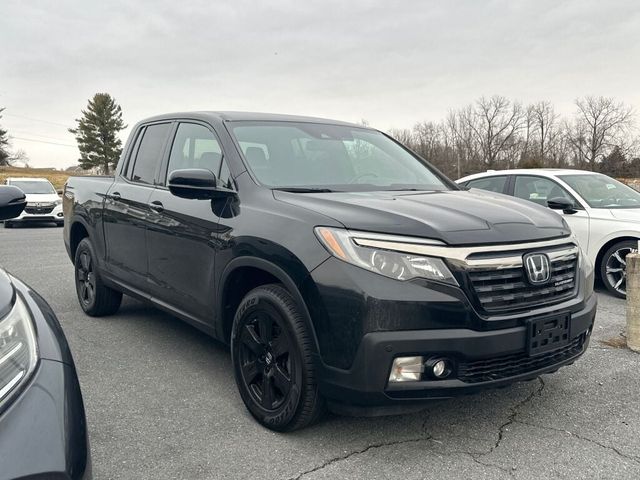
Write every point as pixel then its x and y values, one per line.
pixel 601 125
pixel 545 124
pixel 495 122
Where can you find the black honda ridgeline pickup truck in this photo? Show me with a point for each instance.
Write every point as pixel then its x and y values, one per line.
pixel 342 269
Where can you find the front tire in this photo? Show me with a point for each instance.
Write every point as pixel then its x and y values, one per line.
pixel 96 299
pixel 273 362
pixel 613 267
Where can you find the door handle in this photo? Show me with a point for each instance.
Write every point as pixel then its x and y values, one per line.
pixel 156 206
pixel 115 196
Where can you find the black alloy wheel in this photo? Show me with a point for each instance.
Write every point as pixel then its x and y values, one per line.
pixel 265 359
pixel 271 350
pixel 95 298
pixel 86 279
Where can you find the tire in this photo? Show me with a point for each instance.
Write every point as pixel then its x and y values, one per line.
pixel 271 351
pixel 613 267
pixel 8 225
pixel 95 298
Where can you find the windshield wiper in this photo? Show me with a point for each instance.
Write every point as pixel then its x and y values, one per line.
pixel 304 190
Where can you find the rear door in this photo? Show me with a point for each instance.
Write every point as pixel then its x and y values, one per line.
pixel 183 232
pixel 126 208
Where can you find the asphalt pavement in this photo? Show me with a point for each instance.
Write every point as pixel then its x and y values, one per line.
pixel 161 403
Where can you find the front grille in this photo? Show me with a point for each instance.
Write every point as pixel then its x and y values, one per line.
pixel 38 210
pixel 508 288
pixel 507 366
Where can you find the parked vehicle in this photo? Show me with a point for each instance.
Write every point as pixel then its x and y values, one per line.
pixel 342 269
pixel 603 212
pixel 43 430
pixel 43 202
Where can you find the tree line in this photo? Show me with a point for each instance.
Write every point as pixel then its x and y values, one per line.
pixel 490 133
pixel 498 133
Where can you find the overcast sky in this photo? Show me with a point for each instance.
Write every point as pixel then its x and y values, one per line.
pixel 392 63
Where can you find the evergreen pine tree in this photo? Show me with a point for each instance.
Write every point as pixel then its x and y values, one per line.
pixel 4 146
pixel 97 133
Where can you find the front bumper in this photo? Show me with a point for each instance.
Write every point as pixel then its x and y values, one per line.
pixel 43 430
pixel 366 382
pixel 55 215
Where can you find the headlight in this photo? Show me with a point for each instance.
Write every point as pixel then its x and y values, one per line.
pixel 18 348
pixel 397 265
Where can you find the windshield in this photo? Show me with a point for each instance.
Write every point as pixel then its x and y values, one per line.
pixel 600 191
pixel 323 157
pixel 33 186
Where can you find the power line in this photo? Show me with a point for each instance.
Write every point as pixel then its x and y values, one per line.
pixel 43 141
pixel 37 135
pixel 34 119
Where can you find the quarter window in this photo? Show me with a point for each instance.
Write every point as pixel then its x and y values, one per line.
pixel 150 153
pixel 194 146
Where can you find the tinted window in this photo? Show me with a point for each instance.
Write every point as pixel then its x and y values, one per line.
pixel 149 153
pixel 194 146
pixel 289 154
pixel 492 184
pixel 539 190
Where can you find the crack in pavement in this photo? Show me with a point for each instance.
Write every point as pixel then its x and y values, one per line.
pixel 633 458
pixel 475 456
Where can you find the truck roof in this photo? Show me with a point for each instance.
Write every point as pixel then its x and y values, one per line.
pixel 249 116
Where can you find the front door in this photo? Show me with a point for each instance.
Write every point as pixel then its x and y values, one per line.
pixel 540 189
pixel 182 233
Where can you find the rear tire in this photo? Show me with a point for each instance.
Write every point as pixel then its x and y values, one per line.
pixel 94 297
pixel 613 267
pixel 273 362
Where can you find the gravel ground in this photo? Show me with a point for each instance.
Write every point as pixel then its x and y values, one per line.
pixel 162 403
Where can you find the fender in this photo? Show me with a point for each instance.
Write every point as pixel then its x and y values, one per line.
pixel 277 272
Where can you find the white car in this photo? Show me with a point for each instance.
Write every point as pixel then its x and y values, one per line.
pixel 602 212
pixel 43 202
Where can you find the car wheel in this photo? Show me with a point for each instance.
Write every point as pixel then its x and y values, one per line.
pixel 8 225
pixel 95 298
pixel 272 360
pixel 613 267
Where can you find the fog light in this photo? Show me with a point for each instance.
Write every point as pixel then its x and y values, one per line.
pixel 438 367
pixel 407 369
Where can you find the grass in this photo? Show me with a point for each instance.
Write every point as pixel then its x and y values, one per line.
pixel 56 177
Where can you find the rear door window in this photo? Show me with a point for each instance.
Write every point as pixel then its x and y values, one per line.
pixel 491 184
pixel 149 153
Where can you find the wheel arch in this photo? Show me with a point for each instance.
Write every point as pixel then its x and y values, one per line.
pixel 77 231
pixel 242 275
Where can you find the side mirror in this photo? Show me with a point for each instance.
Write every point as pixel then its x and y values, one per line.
pixel 12 202
pixel 196 183
pixel 561 203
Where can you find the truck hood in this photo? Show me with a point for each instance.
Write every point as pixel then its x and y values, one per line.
pixel 454 217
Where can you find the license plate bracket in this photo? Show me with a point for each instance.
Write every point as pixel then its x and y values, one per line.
pixel 548 333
